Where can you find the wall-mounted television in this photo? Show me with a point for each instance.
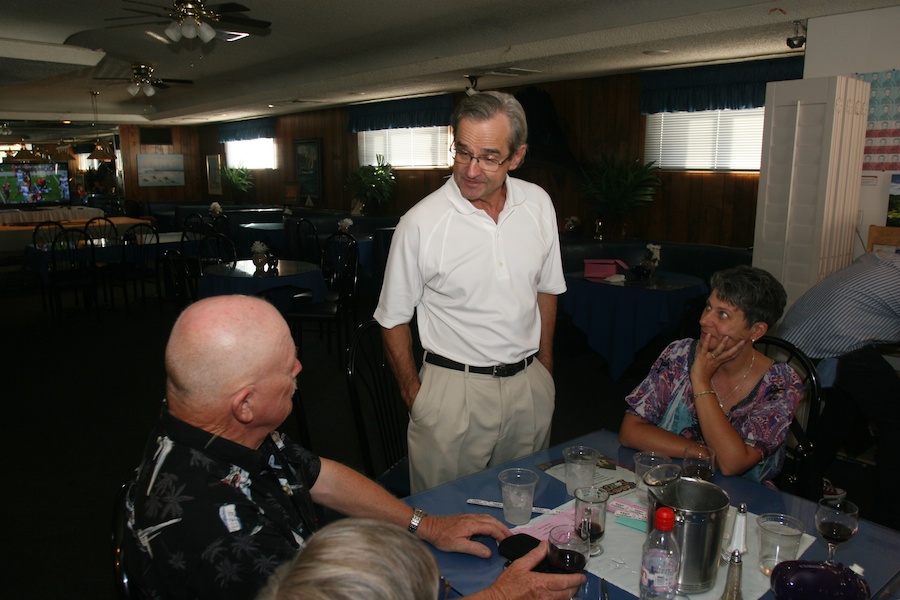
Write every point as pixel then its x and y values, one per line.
pixel 33 184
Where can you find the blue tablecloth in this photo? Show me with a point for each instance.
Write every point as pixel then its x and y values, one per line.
pixel 243 278
pixel 874 547
pixel 621 318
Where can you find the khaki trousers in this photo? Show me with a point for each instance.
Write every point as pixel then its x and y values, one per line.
pixel 461 422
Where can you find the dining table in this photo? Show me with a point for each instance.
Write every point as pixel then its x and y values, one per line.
pixel 243 277
pixel 12 216
pixel 271 234
pixel 874 549
pixel 622 316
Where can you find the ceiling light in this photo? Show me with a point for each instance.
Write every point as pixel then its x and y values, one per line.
pixel 191 21
pixel 5 130
pixel 141 79
pixel 100 153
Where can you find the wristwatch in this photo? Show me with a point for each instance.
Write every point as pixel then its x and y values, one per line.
pixel 418 515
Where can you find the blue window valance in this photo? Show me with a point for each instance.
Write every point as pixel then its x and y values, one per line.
pixel 713 87
pixel 398 114
pixel 253 129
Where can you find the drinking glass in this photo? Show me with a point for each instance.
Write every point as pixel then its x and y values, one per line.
pixel 836 522
pixel 581 463
pixel 568 552
pixel 590 515
pixel 643 462
pixel 699 462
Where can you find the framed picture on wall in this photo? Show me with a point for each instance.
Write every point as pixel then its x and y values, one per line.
pixel 214 174
pixel 308 167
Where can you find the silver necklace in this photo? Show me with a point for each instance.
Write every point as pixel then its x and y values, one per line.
pixel 740 383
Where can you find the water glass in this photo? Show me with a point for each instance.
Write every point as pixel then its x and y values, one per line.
pixel 517 488
pixel 779 539
pixel 581 462
pixel 643 462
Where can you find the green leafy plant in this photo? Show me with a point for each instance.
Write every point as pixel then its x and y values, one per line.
pixel 616 185
pixel 375 183
pixel 239 179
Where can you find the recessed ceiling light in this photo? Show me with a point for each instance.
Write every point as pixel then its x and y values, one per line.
pixel 657 52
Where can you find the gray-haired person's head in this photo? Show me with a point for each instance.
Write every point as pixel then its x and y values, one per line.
pixel 352 559
pixel 754 291
pixel 484 106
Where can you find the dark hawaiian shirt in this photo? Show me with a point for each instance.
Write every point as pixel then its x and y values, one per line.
pixel 210 518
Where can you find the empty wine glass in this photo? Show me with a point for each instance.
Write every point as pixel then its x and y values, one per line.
pixel 836 522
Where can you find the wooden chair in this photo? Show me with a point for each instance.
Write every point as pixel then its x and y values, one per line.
pixel 883 236
pixel 380 414
pixel 798 473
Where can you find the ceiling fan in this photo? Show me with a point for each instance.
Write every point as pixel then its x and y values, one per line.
pixel 191 18
pixel 142 79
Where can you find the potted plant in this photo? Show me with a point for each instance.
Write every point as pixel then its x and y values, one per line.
pixel 615 185
pixel 373 184
pixel 239 180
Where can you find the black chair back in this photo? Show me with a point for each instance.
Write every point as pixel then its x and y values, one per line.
pixel 340 266
pixel 101 228
pixel 797 475
pixel 220 224
pixel 307 241
pixel 380 414
pixel 119 531
pixel 178 282
pixel 45 232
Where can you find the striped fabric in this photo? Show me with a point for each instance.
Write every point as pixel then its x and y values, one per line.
pixel 852 308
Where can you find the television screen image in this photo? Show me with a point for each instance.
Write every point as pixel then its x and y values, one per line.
pixel 33 183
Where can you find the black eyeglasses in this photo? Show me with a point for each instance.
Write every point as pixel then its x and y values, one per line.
pixel 488 164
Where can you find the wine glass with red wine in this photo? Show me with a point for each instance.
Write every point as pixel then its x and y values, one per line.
pixel 568 551
pixel 699 462
pixel 837 522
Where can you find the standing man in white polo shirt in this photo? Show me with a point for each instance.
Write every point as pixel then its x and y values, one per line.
pixel 478 263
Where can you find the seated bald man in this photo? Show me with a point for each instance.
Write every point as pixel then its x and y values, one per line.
pixel 221 498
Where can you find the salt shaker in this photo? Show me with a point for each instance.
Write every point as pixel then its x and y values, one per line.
pixel 733 580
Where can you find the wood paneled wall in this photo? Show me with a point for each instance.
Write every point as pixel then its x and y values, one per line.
pixel 595 115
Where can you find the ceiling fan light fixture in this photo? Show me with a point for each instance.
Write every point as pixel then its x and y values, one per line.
pixel 189 29
pixel 149 90
pixel 133 88
pixel 206 32
pixel 173 31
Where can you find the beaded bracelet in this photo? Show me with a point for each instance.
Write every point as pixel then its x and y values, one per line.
pixel 698 394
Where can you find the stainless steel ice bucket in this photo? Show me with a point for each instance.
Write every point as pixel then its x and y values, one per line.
pixel 700 509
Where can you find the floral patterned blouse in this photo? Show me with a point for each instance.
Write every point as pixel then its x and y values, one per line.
pixel 213 519
pixel 665 398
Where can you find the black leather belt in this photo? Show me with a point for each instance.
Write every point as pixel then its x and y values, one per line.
pixel 496 370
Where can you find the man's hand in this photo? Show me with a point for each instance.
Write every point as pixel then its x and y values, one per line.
pixel 454 533
pixel 519 582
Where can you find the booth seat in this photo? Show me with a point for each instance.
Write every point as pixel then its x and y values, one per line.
pixel 699 260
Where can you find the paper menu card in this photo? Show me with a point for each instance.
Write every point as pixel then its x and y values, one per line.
pixel 614 479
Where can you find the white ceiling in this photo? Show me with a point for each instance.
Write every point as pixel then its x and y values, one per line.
pixel 336 52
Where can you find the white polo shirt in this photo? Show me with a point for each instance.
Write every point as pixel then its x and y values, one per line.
pixel 473 283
